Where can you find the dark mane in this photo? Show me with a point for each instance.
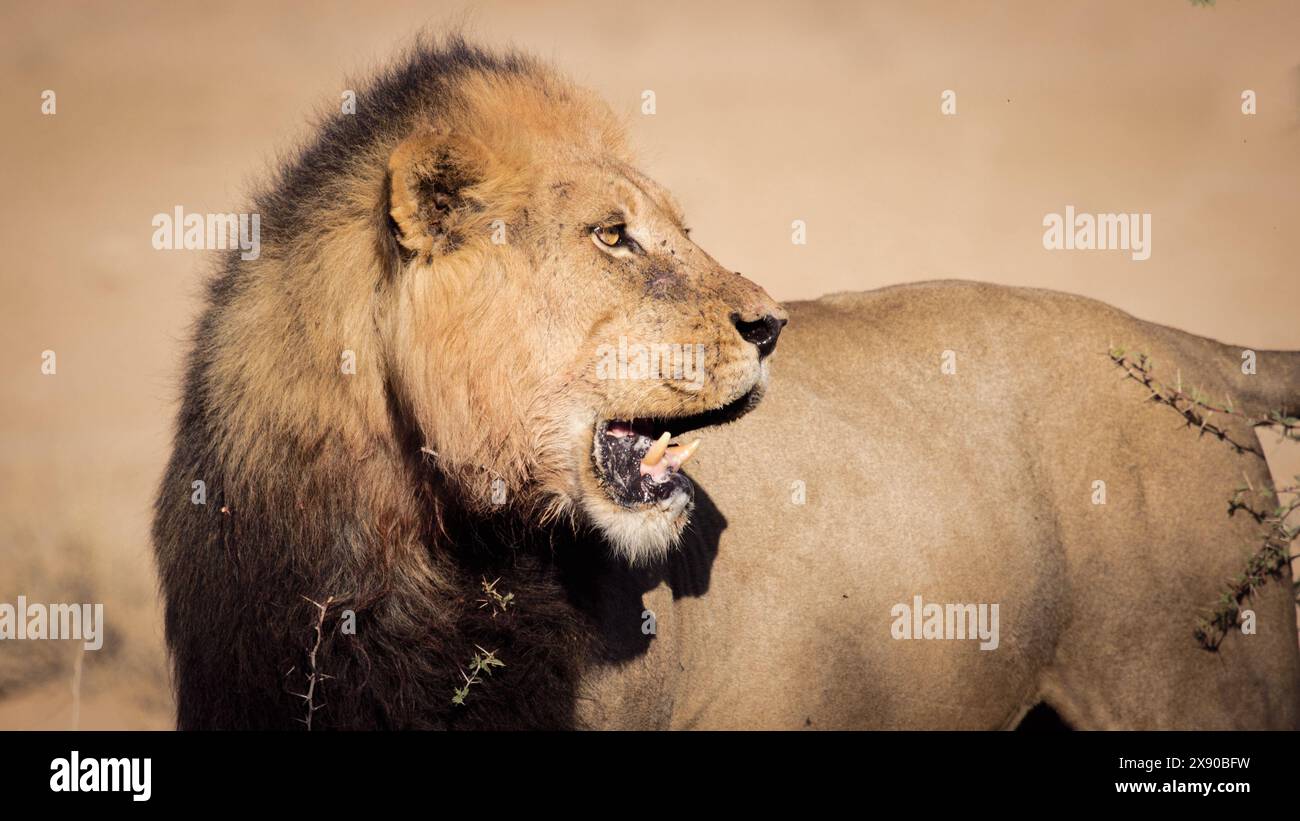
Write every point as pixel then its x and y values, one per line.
pixel 417 85
pixel 374 535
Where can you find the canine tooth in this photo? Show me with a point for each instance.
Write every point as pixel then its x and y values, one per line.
pixel 687 452
pixel 657 450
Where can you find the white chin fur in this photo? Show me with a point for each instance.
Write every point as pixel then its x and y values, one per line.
pixel 643 535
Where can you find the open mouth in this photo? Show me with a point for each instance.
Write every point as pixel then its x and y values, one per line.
pixel 639 461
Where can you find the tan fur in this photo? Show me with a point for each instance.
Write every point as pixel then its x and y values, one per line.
pixel 971 487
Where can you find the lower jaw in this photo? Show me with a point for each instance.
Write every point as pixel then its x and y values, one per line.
pixel 643 533
pixel 643 491
pixel 662 496
pixel 634 479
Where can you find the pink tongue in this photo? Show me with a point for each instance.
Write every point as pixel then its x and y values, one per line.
pixel 622 427
pixel 619 428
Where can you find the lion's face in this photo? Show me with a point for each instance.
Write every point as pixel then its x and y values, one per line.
pixel 560 338
pixel 670 342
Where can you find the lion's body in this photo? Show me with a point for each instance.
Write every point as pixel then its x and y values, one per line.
pixel 972 487
pixel 391 409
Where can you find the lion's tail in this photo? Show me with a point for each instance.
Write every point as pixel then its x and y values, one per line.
pixel 1275 384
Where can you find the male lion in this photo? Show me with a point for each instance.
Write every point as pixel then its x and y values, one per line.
pixel 430 422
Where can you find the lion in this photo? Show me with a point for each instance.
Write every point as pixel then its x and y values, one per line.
pixel 442 425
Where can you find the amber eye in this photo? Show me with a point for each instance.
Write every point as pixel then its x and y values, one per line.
pixel 610 235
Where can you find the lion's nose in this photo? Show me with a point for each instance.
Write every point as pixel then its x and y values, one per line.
pixel 761 333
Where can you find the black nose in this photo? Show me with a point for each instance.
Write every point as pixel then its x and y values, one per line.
pixel 761 332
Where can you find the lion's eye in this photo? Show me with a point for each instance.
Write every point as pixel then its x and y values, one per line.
pixel 610 235
pixel 614 239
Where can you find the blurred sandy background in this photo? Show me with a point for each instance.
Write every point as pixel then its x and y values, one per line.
pixel 826 112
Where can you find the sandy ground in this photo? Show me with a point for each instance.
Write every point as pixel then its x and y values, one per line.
pixel 766 113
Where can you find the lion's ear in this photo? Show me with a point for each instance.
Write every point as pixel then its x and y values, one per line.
pixel 431 175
